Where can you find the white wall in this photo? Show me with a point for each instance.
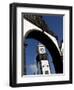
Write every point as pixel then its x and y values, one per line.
pixel 4 43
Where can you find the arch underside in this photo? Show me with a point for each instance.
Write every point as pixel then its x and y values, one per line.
pixel 44 39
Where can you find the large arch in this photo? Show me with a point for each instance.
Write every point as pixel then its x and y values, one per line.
pixel 50 45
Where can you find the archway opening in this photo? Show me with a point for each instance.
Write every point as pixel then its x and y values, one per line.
pixel 44 39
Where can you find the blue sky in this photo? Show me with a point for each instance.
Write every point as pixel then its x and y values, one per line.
pixel 55 23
